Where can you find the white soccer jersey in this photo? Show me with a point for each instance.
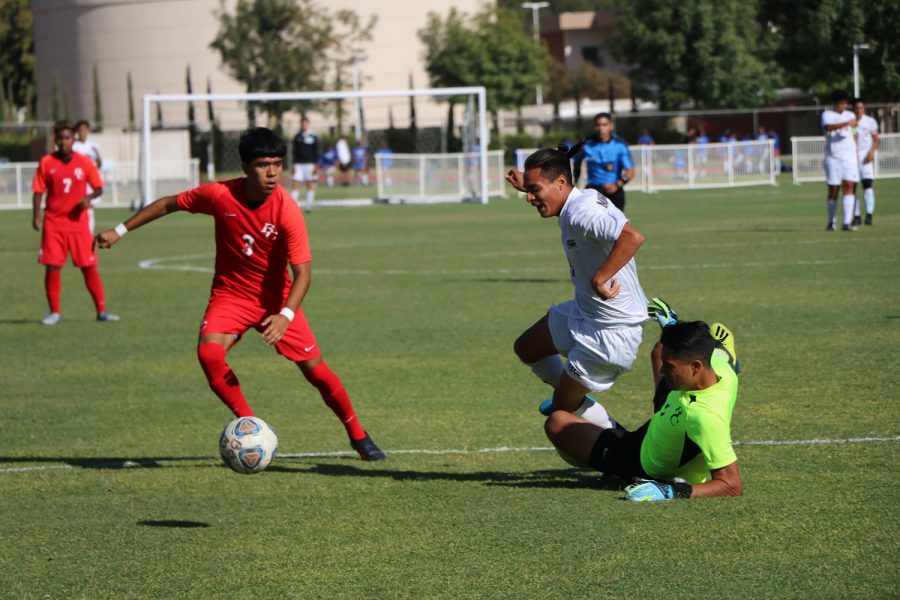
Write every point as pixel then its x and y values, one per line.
pixel 865 129
pixel 839 143
pixel 589 226
pixel 88 148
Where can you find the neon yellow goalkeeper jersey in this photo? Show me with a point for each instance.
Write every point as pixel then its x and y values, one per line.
pixel 691 433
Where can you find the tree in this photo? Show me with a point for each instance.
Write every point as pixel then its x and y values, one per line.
pixel 17 54
pixel 706 53
pixel 489 49
pixel 815 44
pixel 286 45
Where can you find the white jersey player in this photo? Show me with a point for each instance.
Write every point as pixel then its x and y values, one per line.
pixel 306 164
pixel 841 162
pixel 88 147
pixel 867 143
pixel 600 330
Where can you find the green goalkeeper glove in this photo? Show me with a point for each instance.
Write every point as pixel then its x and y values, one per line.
pixel 661 311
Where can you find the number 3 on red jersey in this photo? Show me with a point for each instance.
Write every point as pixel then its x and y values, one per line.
pixel 248 246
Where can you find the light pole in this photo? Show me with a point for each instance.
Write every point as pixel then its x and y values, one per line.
pixel 536 29
pixel 856 49
pixel 357 106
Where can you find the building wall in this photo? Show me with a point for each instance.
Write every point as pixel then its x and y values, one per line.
pixel 156 40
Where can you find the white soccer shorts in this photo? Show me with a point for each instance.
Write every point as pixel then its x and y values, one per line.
pixel 841 168
pixel 596 356
pixel 304 172
pixel 866 170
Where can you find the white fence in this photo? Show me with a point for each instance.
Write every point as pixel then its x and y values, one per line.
pixel 121 181
pixel 421 178
pixel 696 166
pixel 809 152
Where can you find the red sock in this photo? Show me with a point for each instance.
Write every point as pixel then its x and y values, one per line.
pixel 95 287
pixel 336 398
pixel 222 380
pixel 52 285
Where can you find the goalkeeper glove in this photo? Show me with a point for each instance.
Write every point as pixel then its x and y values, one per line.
pixel 652 491
pixel 658 309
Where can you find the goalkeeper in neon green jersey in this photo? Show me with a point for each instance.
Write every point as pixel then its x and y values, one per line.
pixel 685 449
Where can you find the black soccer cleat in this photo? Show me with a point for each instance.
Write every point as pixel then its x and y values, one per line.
pixel 869 219
pixel 367 449
pixel 830 226
pixel 856 220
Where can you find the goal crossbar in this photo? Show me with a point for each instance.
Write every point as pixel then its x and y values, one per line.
pixel 149 99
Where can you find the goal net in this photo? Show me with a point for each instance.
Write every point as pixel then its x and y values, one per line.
pixel 405 145
pixel 809 152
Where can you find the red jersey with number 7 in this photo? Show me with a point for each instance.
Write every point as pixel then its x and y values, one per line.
pixel 66 184
pixel 254 245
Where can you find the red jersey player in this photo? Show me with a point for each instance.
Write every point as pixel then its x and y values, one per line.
pixel 259 233
pixel 63 176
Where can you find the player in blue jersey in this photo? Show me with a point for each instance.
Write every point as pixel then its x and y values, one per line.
pixel 608 160
pixel 327 163
pixel 360 153
pixel 387 161
pixel 645 138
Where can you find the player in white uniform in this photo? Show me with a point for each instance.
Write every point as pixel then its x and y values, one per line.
pixel 867 143
pixel 600 330
pixel 89 148
pixel 306 159
pixel 841 162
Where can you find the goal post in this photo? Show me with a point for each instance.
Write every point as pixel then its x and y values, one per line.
pixel 150 163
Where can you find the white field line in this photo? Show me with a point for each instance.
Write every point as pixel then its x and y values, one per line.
pixel 162 264
pixel 500 449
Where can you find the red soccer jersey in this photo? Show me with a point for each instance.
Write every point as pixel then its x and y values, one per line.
pixel 254 246
pixel 65 184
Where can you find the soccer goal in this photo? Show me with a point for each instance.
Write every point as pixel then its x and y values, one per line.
pixel 401 145
pixel 809 152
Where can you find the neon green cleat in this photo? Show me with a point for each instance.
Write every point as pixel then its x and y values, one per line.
pixel 725 339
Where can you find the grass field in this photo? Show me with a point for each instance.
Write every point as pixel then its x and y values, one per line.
pixel 112 486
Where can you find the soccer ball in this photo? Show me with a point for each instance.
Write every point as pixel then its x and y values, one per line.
pixel 248 445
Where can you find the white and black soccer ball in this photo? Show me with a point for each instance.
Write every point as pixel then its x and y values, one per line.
pixel 248 445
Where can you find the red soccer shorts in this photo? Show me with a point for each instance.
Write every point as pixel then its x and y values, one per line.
pixel 56 246
pixel 235 316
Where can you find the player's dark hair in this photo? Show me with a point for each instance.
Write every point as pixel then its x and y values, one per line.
pixel 260 142
pixel 838 95
pixel 554 162
pixel 603 115
pixel 689 340
pixel 78 124
pixel 855 100
pixel 61 125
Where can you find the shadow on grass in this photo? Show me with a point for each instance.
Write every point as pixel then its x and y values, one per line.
pixel 553 478
pixel 98 462
pixel 173 524
pixel 548 478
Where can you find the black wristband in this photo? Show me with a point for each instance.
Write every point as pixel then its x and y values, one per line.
pixel 682 490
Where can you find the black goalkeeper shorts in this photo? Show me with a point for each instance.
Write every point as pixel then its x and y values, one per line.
pixel 618 452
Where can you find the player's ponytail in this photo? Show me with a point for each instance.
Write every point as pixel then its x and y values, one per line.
pixel 574 150
pixel 554 162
